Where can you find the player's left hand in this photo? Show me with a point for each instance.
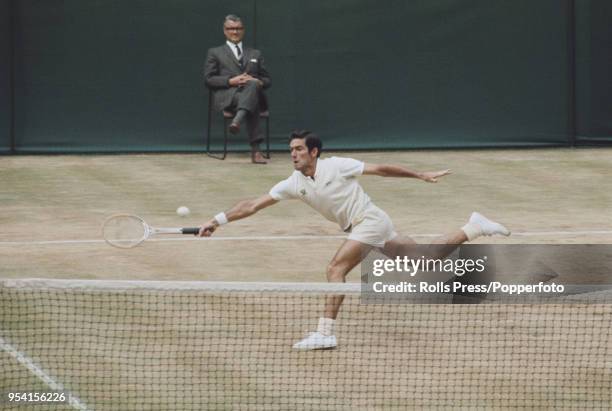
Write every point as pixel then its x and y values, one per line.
pixel 432 176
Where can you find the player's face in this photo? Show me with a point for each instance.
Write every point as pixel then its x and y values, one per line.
pixel 234 31
pixel 300 156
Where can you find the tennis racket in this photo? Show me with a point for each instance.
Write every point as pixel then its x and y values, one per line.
pixel 128 231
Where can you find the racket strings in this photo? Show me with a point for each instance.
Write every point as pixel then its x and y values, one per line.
pixel 125 231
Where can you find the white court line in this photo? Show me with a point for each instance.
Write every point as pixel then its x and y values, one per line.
pixel 41 374
pixel 188 238
pixel 298 237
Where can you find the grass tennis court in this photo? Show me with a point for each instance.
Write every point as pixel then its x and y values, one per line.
pixel 66 198
pixel 176 349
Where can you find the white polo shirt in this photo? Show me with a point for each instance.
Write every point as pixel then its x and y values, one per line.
pixel 334 191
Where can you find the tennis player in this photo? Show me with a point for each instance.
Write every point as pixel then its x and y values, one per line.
pixel 330 186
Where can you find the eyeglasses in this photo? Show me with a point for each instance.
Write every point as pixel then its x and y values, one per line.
pixel 233 28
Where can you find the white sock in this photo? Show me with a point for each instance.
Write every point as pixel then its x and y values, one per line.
pixel 326 326
pixel 472 231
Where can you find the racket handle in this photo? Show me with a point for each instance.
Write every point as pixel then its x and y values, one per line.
pixel 190 230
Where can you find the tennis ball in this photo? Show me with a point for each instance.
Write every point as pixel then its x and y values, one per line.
pixel 182 211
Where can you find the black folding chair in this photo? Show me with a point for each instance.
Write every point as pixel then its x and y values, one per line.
pixel 227 118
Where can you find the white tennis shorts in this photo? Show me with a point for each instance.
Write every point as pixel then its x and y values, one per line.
pixel 374 229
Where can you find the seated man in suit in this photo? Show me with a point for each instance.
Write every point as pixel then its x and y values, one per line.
pixel 237 76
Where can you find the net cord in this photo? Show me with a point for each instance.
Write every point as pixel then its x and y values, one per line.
pixel 225 286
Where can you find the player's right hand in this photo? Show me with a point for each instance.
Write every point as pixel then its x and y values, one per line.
pixel 208 228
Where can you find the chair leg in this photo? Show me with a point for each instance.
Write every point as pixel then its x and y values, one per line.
pixel 209 130
pixel 208 138
pixel 268 138
pixel 224 138
pixel 208 126
pixel 213 155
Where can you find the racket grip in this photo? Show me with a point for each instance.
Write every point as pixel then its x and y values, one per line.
pixel 190 230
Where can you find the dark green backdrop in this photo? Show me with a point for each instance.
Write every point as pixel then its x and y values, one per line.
pixel 594 71
pixel 111 75
pixel 6 109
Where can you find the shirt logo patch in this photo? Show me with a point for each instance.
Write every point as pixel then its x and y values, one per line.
pixel 303 192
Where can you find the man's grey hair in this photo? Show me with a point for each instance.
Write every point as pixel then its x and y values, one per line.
pixel 232 17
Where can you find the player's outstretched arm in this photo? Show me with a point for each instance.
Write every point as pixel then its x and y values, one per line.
pixel 243 209
pixel 387 170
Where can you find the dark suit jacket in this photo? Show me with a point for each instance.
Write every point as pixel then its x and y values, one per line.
pixel 221 65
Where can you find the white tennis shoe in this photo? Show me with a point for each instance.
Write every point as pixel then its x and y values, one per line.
pixel 316 341
pixel 487 226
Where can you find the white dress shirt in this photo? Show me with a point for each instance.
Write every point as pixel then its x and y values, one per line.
pixel 234 49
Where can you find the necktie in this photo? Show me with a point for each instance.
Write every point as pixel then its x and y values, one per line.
pixel 239 53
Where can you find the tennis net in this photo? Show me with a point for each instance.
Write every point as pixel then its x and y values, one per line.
pixel 200 345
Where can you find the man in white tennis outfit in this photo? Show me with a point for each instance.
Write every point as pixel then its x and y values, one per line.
pixel 330 186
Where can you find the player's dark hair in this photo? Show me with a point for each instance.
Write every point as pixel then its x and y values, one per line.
pixel 310 139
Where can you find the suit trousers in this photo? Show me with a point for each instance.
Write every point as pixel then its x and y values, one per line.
pixel 247 98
